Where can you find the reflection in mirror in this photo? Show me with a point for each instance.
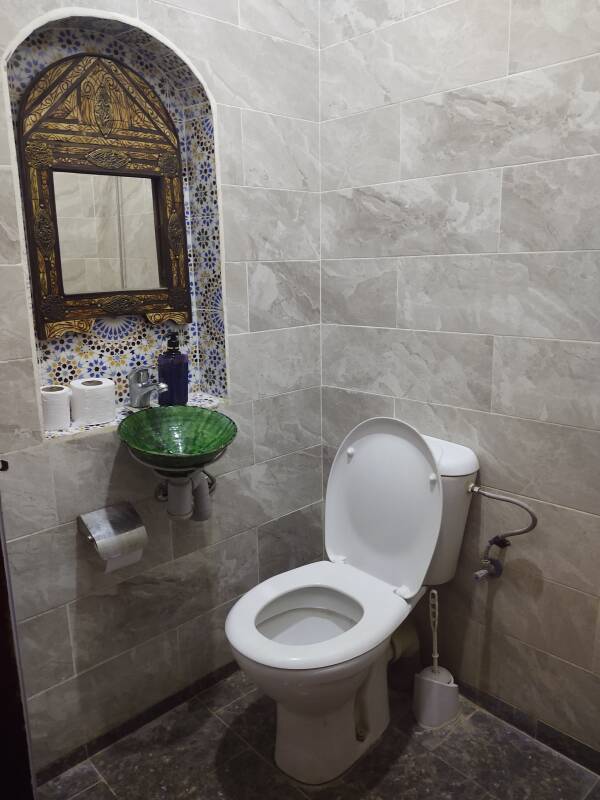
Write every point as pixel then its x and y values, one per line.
pixel 106 232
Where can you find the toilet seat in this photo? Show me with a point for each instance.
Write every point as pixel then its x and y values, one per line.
pixel 383 611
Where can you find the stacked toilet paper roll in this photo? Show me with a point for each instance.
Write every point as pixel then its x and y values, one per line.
pixel 56 407
pixel 92 401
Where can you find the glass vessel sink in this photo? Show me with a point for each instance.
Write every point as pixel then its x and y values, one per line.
pixel 177 438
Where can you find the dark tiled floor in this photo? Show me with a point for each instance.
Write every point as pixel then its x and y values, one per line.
pixel 219 746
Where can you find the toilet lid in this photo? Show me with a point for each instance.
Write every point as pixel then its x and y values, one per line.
pixel 383 506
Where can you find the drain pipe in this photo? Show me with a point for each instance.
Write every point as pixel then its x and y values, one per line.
pixel 187 497
pixel 492 567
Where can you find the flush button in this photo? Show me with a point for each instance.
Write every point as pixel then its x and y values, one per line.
pixel 433 478
pixel 350 452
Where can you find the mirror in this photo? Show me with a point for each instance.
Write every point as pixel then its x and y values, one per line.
pixel 103 198
pixel 105 232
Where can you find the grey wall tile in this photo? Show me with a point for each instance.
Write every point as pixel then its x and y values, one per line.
pixel 345 19
pixel 203 646
pixel 82 776
pixel 454 213
pixel 58 565
pixel 94 471
pixel 296 20
pixel 551 206
pixel 549 113
pixel 5 133
pixel 286 423
pixel 228 144
pixel 143 606
pixel 269 224
pixel 240 452
pixel 509 671
pixel 240 67
pixel 45 650
pixel 282 294
pixel 452 368
pixel 418 6
pixel 548 380
pixel 255 495
pixel 457 44
pixel 359 291
pixel 362 149
pixel 20 421
pixel 272 362
pixel 236 297
pixel 279 152
pixel 343 410
pixel 534 294
pixel 290 541
pixel 100 699
pixel 28 499
pixel 544 33
pixel 535 459
pixel 226 10
pixel 15 337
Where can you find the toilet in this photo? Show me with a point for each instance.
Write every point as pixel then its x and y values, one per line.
pixel 317 638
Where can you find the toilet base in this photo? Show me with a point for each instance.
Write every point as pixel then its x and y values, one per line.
pixel 326 718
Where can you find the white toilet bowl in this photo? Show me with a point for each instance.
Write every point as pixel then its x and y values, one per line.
pixel 316 639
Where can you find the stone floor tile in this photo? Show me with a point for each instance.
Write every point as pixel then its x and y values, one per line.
pixel 247 777
pixel 226 691
pixel 402 718
pixel 71 782
pixel 510 764
pixel 252 717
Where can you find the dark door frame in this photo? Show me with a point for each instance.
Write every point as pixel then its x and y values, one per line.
pixel 15 763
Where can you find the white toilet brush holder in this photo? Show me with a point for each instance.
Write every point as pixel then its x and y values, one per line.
pixel 435 699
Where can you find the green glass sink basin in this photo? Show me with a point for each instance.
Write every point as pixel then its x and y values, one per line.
pixel 177 438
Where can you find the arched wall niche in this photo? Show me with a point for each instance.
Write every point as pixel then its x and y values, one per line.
pixel 117 345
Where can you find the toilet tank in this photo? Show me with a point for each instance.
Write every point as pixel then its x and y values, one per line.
pixel 458 467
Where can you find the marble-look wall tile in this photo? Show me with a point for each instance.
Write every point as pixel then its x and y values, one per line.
pixel 457 44
pixel 535 459
pixel 359 292
pixel 344 19
pixel 344 409
pixel 295 20
pixel 94 471
pixel 228 144
pixel 236 297
pixel 279 152
pixel 552 381
pixel 290 541
pixel 267 224
pixel 98 700
pixel 418 6
pixel 564 548
pixel 271 362
pixel 537 116
pixel 226 10
pixel 45 650
pixel 449 368
pixel 454 213
pixel 20 420
pixel 15 337
pixel 242 68
pixel 544 32
pixel 286 423
pixel 58 565
pixel 203 646
pixel 534 294
pixel 253 496
pixel 5 132
pixel 135 610
pixel 362 149
pixel 551 206
pixel 240 452
pixel 283 294
pixel 28 499
pixel 10 249
pixel 508 669
pixel 569 699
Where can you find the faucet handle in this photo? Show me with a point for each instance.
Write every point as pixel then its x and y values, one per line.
pixel 139 376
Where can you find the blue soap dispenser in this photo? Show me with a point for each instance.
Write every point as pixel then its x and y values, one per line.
pixel 173 370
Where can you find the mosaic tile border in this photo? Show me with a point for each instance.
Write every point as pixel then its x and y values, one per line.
pixel 117 345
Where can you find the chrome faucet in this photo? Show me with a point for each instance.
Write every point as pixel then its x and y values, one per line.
pixel 141 387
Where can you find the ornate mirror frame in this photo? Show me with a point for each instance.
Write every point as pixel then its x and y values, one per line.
pixel 93 114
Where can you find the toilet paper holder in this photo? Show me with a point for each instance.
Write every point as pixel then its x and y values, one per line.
pixel 117 534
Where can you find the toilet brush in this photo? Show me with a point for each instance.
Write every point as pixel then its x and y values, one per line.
pixel 435 700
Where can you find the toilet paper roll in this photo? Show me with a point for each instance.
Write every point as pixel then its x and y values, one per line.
pixel 56 407
pixel 92 401
pixel 117 533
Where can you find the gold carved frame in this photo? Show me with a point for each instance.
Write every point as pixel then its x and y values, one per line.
pixel 93 114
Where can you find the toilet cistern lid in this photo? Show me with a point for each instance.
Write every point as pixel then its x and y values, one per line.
pixel 383 507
